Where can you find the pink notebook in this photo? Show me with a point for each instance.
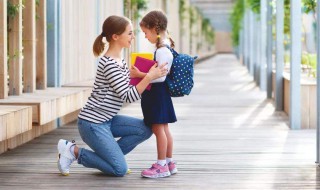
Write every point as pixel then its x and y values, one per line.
pixel 143 65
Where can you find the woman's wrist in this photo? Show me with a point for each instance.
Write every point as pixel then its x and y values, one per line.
pixel 142 74
pixel 148 76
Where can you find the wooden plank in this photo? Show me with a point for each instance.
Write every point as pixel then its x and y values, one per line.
pixel 308 98
pixel 3 146
pixel 3 50
pixel 38 130
pixel 15 50
pixel 75 66
pixel 312 107
pixel 29 46
pixel 3 128
pixel 17 119
pixel 86 83
pixel 19 139
pixel 286 95
pixel 41 52
pixel 15 126
pixel 305 107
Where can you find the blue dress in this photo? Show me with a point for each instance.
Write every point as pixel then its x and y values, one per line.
pixel 157 107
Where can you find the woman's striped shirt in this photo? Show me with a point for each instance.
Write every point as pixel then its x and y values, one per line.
pixel 111 88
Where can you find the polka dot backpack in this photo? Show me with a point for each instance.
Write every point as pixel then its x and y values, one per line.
pixel 180 77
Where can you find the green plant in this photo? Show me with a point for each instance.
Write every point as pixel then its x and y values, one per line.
pixel 207 30
pixel 140 5
pixel 135 6
pixel 235 20
pixel 309 63
pixel 192 17
pixel 37 5
pixel 286 29
pixel 254 5
pixel 182 9
pixel 210 35
pixel 12 9
pixel 309 5
pixel 12 12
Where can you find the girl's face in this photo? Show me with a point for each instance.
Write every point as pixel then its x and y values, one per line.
pixel 150 34
pixel 126 37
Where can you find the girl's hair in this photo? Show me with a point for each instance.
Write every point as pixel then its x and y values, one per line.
pixel 156 20
pixel 112 25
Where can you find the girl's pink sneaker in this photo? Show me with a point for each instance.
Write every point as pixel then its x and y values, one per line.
pixel 172 168
pixel 156 171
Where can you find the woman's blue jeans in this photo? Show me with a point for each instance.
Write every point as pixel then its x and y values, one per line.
pixel 108 154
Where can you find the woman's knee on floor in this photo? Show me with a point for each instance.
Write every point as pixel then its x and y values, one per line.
pixel 121 170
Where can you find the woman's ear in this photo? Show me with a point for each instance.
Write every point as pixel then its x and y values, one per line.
pixel 115 37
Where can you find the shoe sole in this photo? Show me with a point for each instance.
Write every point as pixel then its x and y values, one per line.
pixel 160 175
pixel 61 143
pixel 174 171
pixel 59 167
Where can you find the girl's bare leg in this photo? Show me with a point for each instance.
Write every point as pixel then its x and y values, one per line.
pixel 159 132
pixel 169 141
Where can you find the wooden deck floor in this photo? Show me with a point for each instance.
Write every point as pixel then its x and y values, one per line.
pixel 228 137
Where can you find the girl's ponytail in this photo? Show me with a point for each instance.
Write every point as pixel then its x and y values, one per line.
pixel 98 46
pixel 158 44
pixel 157 28
pixel 171 40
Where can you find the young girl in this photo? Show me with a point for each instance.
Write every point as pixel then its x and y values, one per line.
pixel 156 104
pixel 98 122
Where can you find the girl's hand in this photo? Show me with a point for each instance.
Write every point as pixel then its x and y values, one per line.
pixel 157 72
pixel 135 72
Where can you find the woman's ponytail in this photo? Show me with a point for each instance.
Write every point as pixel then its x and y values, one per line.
pixel 98 46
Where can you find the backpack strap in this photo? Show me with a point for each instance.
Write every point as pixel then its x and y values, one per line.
pixel 174 53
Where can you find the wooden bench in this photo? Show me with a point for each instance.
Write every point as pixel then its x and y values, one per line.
pixel 25 117
pixel 50 104
pixel 15 123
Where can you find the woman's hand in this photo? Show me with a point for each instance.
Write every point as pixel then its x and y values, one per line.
pixel 154 73
pixel 157 72
pixel 135 72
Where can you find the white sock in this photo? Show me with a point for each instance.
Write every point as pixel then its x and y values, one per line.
pixel 161 162
pixel 168 160
pixel 72 151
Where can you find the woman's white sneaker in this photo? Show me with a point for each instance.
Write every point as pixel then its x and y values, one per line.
pixel 65 156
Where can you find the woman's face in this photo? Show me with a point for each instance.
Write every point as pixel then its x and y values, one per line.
pixel 126 37
pixel 150 34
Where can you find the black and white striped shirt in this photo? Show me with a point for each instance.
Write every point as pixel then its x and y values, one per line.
pixel 111 88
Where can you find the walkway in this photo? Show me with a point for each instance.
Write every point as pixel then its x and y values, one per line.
pixel 228 137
